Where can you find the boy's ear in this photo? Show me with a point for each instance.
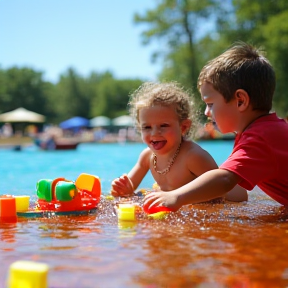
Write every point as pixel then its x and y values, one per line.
pixel 242 99
pixel 185 126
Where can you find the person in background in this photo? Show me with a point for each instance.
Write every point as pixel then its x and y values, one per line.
pixel 165 115
pixel 238 88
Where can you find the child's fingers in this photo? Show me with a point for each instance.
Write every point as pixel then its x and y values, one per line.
pixel 151 200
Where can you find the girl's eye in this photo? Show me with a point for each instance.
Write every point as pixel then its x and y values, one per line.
pixel 164 125
pixel 146 128
pixel 209 105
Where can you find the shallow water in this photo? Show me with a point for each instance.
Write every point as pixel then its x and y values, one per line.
pixel 204 245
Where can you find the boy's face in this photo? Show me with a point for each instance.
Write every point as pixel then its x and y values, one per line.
pixel 221 113
pixel 161 129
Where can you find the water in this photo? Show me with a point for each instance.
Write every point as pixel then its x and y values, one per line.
pixel 204 245
pixel 20 170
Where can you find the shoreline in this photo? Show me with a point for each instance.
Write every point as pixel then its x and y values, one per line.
pixel 13 141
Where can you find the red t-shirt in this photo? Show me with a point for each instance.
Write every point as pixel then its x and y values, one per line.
pixel 260 157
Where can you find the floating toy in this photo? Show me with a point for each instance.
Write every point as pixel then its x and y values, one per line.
pixel 155 209
pixel 8 209
pixel 28 274
pixel 59 196
pixel 156 212
pixel 127 211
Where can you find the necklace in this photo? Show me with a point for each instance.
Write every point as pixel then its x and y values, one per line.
pixel 166 170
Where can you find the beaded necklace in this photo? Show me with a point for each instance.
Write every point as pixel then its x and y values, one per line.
pixel 166 170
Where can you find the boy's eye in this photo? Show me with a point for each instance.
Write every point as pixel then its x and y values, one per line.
pixel 165 125
pixel 209 105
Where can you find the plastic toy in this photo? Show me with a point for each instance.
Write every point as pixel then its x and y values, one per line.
pixel 8 209
pixel 27 274
pixel 22 203
pixel 61 195
pixel 127 211
pixel 155 209
pixel 64 197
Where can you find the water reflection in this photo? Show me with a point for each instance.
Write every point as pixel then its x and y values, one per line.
pixel 204 245
pixel 230 245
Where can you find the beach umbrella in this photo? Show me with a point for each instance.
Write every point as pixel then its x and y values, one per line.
pixel 100 121
pixel 22 115
pixel 74 123
pixel 124 120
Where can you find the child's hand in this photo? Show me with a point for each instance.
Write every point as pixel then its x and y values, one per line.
pixel 122 187
pixel 166 199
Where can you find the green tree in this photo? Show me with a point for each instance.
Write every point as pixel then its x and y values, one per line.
pixel 177 22
pixel 263 23
pixel 23 87
pixel 71 96
pixel 109 95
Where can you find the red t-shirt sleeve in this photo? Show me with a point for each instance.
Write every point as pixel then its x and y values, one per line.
pixel 252 160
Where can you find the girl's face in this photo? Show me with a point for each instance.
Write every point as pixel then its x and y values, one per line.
pixel 223 114
pixel 161 128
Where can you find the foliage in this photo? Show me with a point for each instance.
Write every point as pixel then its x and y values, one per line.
pixel 190 32
pixel 177 22
pixel 261 23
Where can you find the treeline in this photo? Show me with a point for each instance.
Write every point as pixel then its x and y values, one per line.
pixel 72 95
pixel 189 33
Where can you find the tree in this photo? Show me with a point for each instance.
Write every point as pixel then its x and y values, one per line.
pixel 177 22
pixel 71 96
pixel 264 24
pixel 23 87
pixel 110 95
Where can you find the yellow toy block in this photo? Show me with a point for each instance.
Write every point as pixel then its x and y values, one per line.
pixel 126 212
pixel 22 203
pixel 28 274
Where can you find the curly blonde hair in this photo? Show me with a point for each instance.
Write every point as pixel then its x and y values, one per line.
pixel 150 94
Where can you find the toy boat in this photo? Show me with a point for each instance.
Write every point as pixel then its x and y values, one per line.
pixel 55 197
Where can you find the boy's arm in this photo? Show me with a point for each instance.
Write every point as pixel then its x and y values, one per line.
pixel 126 184
pixel 212 184
pixel 237 194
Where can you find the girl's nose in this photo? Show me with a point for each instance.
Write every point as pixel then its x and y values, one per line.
pixel 155 130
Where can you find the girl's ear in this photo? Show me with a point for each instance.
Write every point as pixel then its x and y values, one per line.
pixel 242 99
pixel 185 126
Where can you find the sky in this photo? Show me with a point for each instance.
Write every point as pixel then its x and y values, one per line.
pixel 51 36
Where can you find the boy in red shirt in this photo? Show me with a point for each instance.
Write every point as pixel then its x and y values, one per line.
pixel 238 88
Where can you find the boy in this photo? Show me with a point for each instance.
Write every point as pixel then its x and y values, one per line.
pixel 238 88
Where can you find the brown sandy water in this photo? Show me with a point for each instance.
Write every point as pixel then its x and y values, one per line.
pixel 205 245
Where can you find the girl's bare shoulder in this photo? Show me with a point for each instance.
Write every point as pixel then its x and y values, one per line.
pixel 194 153
pixel 192 148
pixel 145 156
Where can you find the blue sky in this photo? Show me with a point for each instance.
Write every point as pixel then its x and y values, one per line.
pixel 88 35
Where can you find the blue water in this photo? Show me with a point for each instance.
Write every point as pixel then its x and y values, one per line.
pixel 20 170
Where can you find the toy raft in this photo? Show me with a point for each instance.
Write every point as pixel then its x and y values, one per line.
pixel 55 197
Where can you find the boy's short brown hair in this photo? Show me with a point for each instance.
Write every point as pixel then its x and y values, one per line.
pixel 242 67
pixel 150 94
